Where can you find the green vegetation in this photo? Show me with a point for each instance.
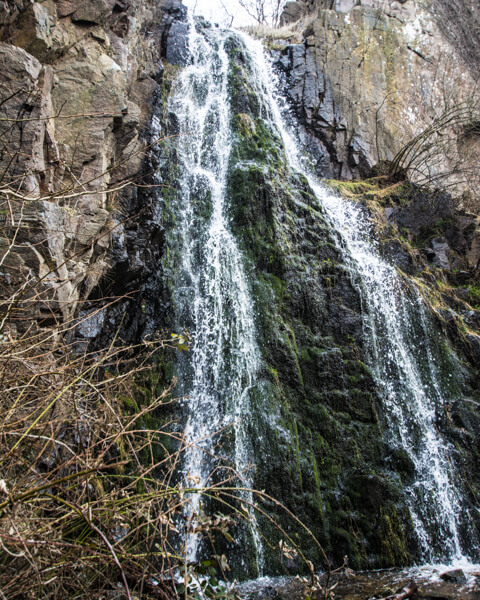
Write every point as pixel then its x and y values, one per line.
pixel 474 295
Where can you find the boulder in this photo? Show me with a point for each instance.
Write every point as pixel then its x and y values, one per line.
pixel 455 575
pixel 441 251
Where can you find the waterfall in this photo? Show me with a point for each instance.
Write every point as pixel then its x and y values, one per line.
pixel 211 291
pixel 212 299
pixel 396 329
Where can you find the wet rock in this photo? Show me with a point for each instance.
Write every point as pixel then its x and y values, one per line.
pixel 473 342
pixel 358 586
pixel 281 588
pixel 177 44
pixel 174 39
pixel 396 252
pixel 441 250
pixel 472 318
pixel 308 317
pixel 423 212
pixel 455 575
pixel 305 84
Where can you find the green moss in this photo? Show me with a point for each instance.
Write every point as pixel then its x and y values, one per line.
pixel 170 73
pixel 393 538
pixel 258 142
pixel 474 296
pixel 244 125
pixel 129 404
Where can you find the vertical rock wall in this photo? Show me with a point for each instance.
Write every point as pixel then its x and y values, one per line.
pixel 77 83
pixel 372 74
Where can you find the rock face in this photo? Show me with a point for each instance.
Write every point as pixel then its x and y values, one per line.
pixel 371 75
pixel 77 84
pixel 294 10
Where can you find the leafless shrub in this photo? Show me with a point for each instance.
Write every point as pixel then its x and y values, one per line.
pixel 263 12
pixel 437 156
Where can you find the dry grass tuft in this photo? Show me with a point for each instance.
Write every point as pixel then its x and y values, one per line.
pixel 86 501
pixel 292 33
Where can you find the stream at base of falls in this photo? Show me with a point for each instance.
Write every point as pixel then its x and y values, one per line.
pixel 439 582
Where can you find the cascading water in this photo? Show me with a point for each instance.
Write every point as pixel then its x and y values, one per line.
pixel 211 293
pixel 212 300
pixel 401 356
pixel 405 371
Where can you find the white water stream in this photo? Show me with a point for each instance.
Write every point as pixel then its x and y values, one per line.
pixel 212 289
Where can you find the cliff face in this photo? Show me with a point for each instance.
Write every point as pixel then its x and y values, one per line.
pixel 77 84
pixel 371 75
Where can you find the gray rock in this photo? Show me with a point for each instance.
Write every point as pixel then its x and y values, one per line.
pixel 455 575
pixel 441 251
pixel 95 11
pixel 291 13
pixel 177 44
pixel 345 5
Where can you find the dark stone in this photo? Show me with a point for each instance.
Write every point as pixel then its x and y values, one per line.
pixel 358 155
pixel 472 318
pixel 177 44
pixel 395 251
pixel 174 33
pixel 319 123
pixel 455 575
pixel 424 211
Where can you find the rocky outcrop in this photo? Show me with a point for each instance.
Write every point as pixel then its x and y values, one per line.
pixel 371 75
pixel 77 83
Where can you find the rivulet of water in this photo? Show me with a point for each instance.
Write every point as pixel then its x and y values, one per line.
pixel 211 291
